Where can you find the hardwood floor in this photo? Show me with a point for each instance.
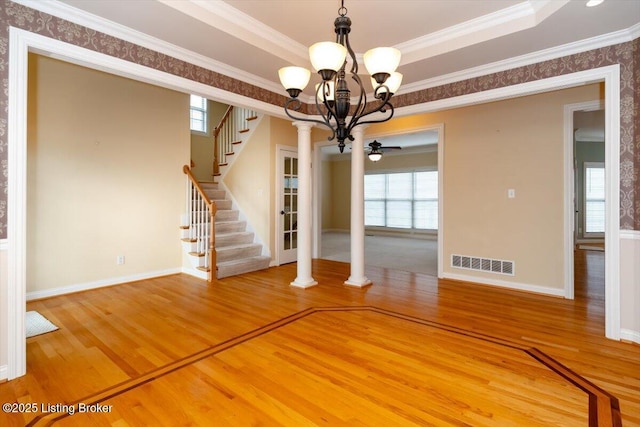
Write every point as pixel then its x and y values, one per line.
pixel 252 350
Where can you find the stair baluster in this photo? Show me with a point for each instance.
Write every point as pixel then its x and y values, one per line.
pixel 226 134
pixel 201 224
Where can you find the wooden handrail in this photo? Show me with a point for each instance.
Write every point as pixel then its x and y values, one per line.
pixel 223 120
pixel 217 158
pixel 212 210
pixel 187 170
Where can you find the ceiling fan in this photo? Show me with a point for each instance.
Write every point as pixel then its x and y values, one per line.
pixel 376 150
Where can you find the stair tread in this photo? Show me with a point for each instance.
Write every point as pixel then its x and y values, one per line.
pixel 243 260
pixel 238 246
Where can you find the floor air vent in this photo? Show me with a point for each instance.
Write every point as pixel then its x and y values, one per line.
pixel 483 264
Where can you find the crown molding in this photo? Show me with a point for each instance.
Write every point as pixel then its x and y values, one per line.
pixel 502 22
pixel 222 16
pixel 585 45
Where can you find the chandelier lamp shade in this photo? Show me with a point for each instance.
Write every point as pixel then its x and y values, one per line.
pixel 333 96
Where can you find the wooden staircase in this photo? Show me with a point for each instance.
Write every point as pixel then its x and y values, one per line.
pixel 233 249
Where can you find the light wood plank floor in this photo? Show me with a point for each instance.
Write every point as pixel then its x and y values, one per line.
pixel 251 350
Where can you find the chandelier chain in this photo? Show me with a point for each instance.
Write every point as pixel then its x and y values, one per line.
pixel 343 10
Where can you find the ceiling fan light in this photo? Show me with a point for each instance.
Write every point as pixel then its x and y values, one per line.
pixel 327 56
pixel 294 78
pixel 375 155
pixel 382 60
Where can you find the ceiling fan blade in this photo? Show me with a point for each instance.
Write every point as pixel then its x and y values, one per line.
pixel 390 148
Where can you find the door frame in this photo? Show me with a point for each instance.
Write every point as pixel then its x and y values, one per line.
pixel 570 194
pixel 280 150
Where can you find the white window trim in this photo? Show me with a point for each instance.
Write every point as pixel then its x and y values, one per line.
pixel 585 166
pixel 206 117
pixel 412 229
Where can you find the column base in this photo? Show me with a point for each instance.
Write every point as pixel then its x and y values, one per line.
pixel 358 283
pixel 299 283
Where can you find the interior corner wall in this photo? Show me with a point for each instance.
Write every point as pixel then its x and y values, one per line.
pixel 248 176
pixel 105 179
pixel 251 177
pixel 488 149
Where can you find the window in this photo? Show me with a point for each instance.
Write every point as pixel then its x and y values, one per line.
pixel 402 200
pixel 594 206
pixel 198 114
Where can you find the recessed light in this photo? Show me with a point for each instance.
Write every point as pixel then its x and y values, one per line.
pixel 592 3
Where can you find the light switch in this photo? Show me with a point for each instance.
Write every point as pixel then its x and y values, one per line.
pixel 511 193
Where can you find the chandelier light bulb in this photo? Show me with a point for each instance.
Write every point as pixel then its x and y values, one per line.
pixel 381 61
pixel 393 83
pixel 294 79
pixel 327 56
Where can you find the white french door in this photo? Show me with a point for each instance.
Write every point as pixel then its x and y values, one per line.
pixel 288 205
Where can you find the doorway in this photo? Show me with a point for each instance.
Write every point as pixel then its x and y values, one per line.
pixel 587 197
pixel 590 204
pixel 401 233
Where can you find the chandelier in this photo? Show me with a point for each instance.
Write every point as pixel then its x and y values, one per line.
pixel 333 97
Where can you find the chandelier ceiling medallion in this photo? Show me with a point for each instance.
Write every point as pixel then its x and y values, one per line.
pixel 333 97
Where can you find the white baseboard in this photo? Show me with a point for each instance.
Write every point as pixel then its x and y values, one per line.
pixel 4 372
pixel 99 284
pixel 506 284
pixel 195 273
pixel 629 335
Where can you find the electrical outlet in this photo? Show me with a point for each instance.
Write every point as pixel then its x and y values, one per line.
pixel 120 259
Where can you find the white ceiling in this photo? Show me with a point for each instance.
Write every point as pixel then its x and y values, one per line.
pixel 252 39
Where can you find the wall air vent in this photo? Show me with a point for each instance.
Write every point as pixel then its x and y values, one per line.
pixel 483 264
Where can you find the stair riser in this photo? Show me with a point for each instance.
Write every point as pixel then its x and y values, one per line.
pixel 237 253
pixel 231 227
pixel 215 194
pixel 209 185
pixel 249 265
pixel 233 239
pixel 227 215
pixel 223 204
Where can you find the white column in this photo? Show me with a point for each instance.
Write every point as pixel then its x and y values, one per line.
pixel 357 277
pixel 304 279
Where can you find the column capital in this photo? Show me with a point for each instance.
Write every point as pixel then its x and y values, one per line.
pixel 359 129
pixel 302 125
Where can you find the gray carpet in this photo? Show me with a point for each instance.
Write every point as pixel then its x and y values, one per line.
pixel 398 253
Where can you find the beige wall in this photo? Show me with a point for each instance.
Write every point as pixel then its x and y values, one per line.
pixel 104 176
pixel 488 149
